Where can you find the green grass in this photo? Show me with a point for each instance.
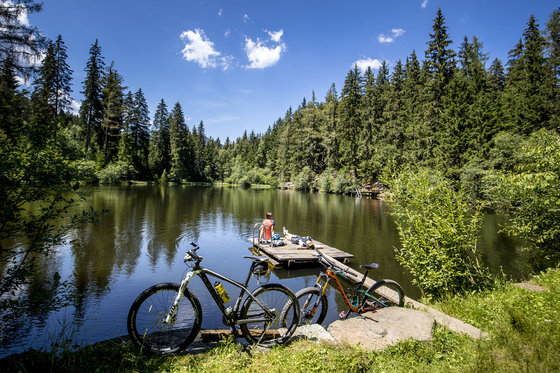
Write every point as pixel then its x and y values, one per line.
pixel 523 336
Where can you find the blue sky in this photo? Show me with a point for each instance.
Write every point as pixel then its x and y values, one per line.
pixel 239 65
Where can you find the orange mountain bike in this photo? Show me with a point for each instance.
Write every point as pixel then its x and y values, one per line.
pixel 314 303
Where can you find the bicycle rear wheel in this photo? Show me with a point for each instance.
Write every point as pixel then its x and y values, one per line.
pixel 313 306
pixel 261 329
pixel 147 325
pixel 385 293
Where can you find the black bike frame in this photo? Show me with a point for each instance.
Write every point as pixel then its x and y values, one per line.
pixel 202 273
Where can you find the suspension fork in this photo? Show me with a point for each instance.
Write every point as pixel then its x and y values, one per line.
pixel 182 288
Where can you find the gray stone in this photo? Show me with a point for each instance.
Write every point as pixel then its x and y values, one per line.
pixel 313 332
pixel 384 327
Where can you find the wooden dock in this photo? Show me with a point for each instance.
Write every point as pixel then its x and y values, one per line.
pixel 294 254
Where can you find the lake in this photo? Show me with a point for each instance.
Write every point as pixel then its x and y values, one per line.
pixel 134 246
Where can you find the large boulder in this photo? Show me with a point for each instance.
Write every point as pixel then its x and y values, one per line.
pixel 384 327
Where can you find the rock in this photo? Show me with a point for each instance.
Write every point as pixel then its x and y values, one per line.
pixel 530 286
pixel 384 327
pixel 313 332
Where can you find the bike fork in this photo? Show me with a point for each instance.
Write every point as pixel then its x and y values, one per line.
pixel 182 288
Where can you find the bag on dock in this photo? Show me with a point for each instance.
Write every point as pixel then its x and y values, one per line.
pixel 278 242
pixel 295 239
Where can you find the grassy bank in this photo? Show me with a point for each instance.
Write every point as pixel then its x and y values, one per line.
pixel 523 328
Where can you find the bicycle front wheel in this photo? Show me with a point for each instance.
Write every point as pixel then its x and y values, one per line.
pixel 386 293
pixel 153 329
pixel 262 326
pixel 313 306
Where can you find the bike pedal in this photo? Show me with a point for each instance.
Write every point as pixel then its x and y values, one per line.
pixel 343 314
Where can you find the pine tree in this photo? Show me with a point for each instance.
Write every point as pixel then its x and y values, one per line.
pixel 91 111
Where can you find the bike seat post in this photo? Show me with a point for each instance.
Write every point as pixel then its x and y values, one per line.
pixel 364 278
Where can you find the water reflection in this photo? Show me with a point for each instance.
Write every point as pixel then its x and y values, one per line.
pixel 134 246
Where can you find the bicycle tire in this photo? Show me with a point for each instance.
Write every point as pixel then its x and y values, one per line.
pixel 306 298
pixel 273 332
pixel 145 324
pixel 383 301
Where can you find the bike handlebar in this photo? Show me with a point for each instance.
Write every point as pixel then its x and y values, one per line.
pixel 331 264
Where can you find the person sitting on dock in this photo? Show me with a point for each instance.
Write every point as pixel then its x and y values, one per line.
pixel 267 229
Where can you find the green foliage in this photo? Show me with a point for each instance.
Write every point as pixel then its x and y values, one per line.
pixel 304 180
pixel 531 196
pixel 37 188
pixel 115 173
pixel 344 183
pixel 438 229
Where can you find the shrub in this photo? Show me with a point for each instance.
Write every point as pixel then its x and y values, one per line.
pixel 304 180
pixel 438 231
pixel 530 197
pixel 343 183
pixel 115 173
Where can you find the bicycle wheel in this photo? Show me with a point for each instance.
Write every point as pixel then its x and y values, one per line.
pixel 259 328
pixel 307 300
pixel 146 322
pixel 386 293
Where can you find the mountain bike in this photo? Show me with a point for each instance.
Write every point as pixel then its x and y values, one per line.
pixel 314 303
pixel 167 317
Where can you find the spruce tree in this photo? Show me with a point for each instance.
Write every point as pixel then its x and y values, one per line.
pixel 553 51
pixel 181 152
pixel 330 142
pixel 138 117
pixel 440 62
pixel 62 77
pixel 159 142
pixel 19 42
pixel 10 101
pixel 113 111
pixel 349 128
pixel 91 111
pixel 42 124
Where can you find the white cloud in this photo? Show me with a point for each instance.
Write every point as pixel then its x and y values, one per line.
pixel 227 33
pixel 395 33
pixel 385 39
pixel 199 49
pixel 220 12
pixel 245 18
pixel 424 3
pixel 368 62
pixel 276 36
pixel 398 32
pixel 261 55
pixel 22 9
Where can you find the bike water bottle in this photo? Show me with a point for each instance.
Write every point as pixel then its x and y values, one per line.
pixel 223 293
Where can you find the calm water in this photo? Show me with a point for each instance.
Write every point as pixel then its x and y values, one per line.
pixel 133 247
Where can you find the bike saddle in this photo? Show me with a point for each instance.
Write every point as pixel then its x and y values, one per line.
pixel 257 259
pixel 370 266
